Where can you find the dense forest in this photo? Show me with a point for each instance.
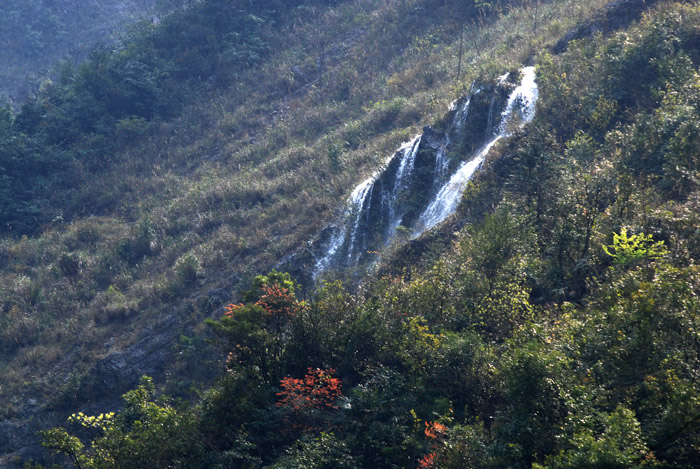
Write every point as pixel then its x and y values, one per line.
pixel 162 203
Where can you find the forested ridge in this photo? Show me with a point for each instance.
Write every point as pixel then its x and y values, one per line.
pixel 150 193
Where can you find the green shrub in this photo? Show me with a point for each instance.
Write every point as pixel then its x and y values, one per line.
pixel 630 250
pixel 70 264
pixel 186 271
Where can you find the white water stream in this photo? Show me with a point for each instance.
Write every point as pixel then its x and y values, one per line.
pixel 519 111
pixel 349 242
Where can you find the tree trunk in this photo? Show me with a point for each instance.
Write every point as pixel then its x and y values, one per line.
pixel 461 45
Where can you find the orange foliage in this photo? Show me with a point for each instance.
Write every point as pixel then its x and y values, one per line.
pixel 317 390
pixel 231 310
pixel 278 302
pixel 427 461
pixel 435 430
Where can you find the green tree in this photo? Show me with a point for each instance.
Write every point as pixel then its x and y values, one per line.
pixel 620 445
pixel 627 250
pixel 256 335
pixel 323 452
pixel 143 433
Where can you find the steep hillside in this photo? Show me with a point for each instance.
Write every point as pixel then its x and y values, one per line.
pixel 155 218
pixel 515 324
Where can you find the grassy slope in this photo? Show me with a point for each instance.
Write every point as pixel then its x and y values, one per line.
pixel 242 179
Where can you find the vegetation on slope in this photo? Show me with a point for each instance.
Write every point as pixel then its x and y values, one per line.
pixel 558 329
pixel 522 343
pixel 161 220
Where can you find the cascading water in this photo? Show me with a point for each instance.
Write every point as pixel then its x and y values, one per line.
pixel 373 202
pixel 522 100
pixel 402 182
pixel 358 199
pixel 441 161
pixel 419 186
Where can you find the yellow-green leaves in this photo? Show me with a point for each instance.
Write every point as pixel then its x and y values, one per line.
pixel 630 249
pixel 102 421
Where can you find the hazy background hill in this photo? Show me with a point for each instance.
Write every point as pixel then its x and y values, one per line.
pixel 35 34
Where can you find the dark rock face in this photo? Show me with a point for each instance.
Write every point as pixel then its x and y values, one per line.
pixel 100 389
pixel 13 436
pixel 19 441
pixel 616 15
pixel 119 372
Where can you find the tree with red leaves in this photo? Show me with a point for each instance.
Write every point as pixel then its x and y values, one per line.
pixel 305 398
pixel 435 433
pixel 255 334
pixel 316 390
pixel 427 461
pixel 279 304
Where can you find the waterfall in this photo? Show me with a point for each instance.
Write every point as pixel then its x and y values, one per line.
pixel 338 234
pixel 358 200
pixel 461 115
pixel 402 181
pixel 522 100
pixel 525 96
pixel 447 198
pixel 373 204
pixel 336 241
pixel 441 161
pixel 416 189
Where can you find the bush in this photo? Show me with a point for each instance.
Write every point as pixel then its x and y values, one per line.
pixel 18 330
pixel 186 270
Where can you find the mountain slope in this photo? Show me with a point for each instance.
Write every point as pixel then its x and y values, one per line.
pixel 192 206
pixel 253 171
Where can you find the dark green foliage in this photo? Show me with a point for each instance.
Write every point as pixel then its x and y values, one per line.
pixel 538 393
pixel 37 33
pixel 91 111
pixel 620 445
pixel 186 271
pixel 70 264
pixel 323 452
pixel 139 245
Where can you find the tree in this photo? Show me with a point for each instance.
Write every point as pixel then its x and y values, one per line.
pixel 256 335
pixel 620 445
pixel 627 250
pixel 143 434
pixel 323 452
pixel 316 390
